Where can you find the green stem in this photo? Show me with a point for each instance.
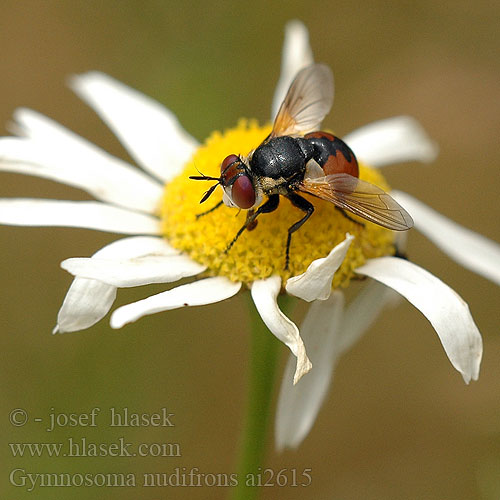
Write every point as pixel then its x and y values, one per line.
pixel 264 349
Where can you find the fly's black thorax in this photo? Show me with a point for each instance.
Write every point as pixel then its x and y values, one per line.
pixel 282 158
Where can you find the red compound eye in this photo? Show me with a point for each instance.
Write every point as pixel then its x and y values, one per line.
pixel 243 193
pixel 227 161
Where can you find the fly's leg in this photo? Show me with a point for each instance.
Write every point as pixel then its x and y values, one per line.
pixel 210 210
pixel 269 206
pixel 306 207
pixel 253 223
pixel 348 217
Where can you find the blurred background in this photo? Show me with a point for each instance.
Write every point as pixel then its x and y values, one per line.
pixel 399 422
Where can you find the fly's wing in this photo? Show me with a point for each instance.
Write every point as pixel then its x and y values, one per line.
pixel 307 102
pixel 361 198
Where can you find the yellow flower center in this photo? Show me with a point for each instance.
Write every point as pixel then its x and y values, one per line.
pixel 260 253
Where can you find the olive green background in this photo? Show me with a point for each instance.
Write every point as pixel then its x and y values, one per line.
pixel 399 422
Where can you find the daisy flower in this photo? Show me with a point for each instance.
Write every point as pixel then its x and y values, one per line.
pixel 156 208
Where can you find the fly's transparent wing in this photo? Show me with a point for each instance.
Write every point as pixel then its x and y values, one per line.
pixel 361 198
pixel 307 102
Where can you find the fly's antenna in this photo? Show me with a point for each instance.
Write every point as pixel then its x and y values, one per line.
pixel 204 177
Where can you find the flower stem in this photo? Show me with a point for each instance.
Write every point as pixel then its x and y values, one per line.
pixel 264 351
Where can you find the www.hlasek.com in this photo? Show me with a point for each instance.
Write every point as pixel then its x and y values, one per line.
pixel 82 447
pixel 179 477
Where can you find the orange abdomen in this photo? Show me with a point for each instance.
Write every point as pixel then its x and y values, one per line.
pixel 332 154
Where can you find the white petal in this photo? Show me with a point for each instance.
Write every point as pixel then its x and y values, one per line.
pixel 298 405
pixel 445 309
pixel 88 301
pixel 134 272
pixel 316 282
pixel 264 295
pixel 392 140
pixel 328 332
pixel 150 132
pixel 470 249
pixel 363 311
pixel 84 214
pixel 198 293
pixel 135 247
pixel 52 151
pixel 297 54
